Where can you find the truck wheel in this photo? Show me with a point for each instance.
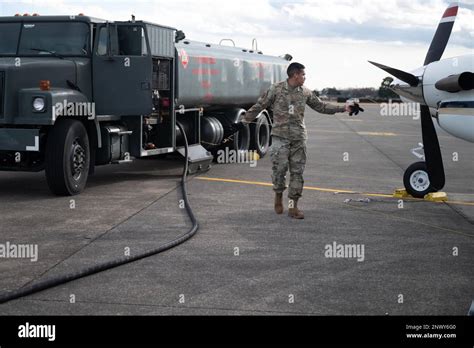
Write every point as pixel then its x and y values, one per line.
pixel 67 158
pixel 417 181
pixel 260 136
pixel 241 140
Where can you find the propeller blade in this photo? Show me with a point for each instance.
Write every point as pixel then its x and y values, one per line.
pixel 433 158
pixel 411 79
pixel 441 37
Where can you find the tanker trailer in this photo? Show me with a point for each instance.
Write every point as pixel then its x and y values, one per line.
pixel 225 81
pixel 77 92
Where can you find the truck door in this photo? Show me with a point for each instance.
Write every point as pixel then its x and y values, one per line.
pixel 122 70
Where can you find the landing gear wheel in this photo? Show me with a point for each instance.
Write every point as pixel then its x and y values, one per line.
pixel 260 136
pixel 417 181
pixel 67 158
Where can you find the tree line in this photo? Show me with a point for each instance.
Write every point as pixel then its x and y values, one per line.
pixel 381 94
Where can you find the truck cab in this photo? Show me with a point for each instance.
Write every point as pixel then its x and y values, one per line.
pixel 77 91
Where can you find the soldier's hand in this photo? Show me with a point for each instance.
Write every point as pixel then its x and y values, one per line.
pixel 233 128
pixel 354 109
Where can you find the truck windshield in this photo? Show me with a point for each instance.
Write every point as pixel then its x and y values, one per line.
pixel 9 35
pixel 42 38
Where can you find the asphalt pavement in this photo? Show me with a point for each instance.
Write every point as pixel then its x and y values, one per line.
pixel 414 257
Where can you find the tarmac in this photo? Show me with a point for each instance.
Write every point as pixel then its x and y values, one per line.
pixel 417 259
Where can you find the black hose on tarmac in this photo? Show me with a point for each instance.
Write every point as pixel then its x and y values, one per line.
pixel 49 283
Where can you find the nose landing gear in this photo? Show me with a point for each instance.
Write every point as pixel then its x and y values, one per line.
pixel 416 178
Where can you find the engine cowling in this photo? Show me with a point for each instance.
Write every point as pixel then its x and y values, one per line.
pixel 457 118
pixel 456 83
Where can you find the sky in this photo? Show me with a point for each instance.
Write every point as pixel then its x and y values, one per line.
pixel 333 39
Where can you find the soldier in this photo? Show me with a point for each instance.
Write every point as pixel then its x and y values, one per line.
pixel 287 100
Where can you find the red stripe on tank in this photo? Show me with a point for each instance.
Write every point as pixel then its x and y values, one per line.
pixel 206 71
pixel 261 71
pixel 206 60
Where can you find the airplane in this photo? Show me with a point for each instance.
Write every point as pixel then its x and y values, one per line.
pixel 445 91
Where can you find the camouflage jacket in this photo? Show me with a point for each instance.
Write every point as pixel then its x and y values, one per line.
pixel 288 106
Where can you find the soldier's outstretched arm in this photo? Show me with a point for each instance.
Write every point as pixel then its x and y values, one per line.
pixel 325 108
pixel 264 102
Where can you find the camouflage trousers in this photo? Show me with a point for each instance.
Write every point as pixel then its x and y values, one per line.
pixel 288 154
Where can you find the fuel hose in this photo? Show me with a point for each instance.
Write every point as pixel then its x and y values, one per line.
pixel 58 280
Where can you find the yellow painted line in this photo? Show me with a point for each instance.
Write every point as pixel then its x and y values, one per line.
pixel 327 131
pixel 259 183
pixel 321 189
pixel 384 134
pixel 378 134
pixel 377 195
pixel 355 207
pixel 311 188
pixel 234 181
pixel 315 130
pixel 460 203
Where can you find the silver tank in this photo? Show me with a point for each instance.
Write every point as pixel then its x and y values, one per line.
pixel 211 75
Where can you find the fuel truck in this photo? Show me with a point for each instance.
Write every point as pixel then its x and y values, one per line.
pixel 78 92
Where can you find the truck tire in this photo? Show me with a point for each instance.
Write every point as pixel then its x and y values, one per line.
pixel 241 140
pixel 260 135
pixel 67 158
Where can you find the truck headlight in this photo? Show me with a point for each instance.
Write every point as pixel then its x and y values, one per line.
pixel 38 104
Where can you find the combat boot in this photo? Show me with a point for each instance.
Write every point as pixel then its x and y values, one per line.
pixel 294 212
pixel 279 203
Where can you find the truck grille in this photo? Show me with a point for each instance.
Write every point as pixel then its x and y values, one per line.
pixel 2 92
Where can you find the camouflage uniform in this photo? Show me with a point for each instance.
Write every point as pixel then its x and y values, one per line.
pixel 288 150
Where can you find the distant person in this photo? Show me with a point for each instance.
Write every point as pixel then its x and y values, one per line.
pixel 287 100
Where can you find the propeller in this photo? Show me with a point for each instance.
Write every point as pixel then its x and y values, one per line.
pixel 441 37
pixel 411 79
pixel 433 158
